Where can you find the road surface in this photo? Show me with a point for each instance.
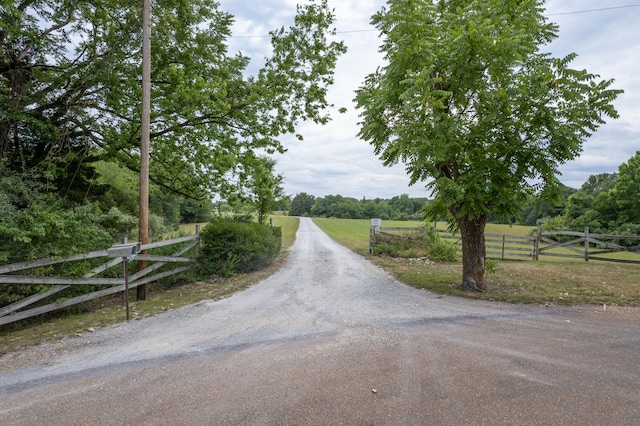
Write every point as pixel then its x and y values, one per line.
pixel 332 340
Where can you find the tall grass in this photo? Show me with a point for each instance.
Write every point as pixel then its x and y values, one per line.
pixel 289 227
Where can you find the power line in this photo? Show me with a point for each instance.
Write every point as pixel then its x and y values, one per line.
pixel 549 14
pixel 593 10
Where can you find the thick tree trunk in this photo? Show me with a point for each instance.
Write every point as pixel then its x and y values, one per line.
pixel 473 253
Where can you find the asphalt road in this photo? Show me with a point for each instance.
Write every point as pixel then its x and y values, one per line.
pixel 332 340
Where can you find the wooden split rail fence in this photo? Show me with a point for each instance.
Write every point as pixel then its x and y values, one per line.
pixel 567 244
pixel 25 308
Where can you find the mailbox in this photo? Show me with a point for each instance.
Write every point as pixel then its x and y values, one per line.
pixel 124 250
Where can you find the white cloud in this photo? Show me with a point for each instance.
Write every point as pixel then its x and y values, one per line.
pixel 332 160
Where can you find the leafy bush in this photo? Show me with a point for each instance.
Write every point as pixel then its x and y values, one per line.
pixel 388 248
pixel 418 245
pixel 119 224
pixel 627 229
pixel 490 266
pixel 158 226
pixel 443 251
pixel 230 247
pixel 439 249
pixel 557 223
pixel 42 231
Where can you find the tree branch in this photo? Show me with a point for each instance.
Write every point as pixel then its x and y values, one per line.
pixel 46 32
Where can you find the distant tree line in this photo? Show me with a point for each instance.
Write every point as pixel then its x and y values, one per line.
pixel 606 203
pixel 400 207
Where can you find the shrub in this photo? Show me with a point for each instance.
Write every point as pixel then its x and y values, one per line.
pixel 418 245
pixel 230 247
pixel 490 266
pixel 401 246
pixel 442 251
pixel 119 224
pixel 388 248
pixel 439 249
pixel 627 229
pixel 42 231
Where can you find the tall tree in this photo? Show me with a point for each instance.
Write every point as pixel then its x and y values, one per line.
pixel 537 208
pixel 626 192
pixel 264 187
pixel 471 105
pixel 70 87
pixel 597 184
pixel 48 90
pixel 301 204
pixel 337 206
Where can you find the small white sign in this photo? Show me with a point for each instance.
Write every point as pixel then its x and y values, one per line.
pixel 376 222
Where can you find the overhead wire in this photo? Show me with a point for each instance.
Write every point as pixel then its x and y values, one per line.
pixel 593 10
pixel 548 14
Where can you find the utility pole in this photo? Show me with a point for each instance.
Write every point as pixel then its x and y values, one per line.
pixel 145 131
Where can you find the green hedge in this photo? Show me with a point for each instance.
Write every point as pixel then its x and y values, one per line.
pixel 230 247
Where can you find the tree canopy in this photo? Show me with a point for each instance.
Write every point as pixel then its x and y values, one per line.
pixel 626 192
pixel 264 191
pixel 301 204
pixel 70 89
pixel 470 104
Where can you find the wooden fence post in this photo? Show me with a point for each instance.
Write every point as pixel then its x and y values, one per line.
pixel 125 296
pixel 196 249
pixel 586 244
pixel 372 237
pixel 536 243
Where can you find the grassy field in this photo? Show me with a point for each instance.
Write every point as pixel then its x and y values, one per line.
pixel 550 280
pixel 110 310
pixel 354 233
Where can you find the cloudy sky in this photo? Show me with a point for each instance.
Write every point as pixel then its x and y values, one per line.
pixel 332 160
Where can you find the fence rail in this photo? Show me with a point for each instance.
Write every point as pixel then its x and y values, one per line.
pixel 17 311
pixel 583 245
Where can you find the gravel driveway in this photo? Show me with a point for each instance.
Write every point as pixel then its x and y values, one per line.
pixel 332 340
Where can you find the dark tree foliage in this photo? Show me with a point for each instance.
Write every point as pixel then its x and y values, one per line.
pixel 626 192
pixel 537 208
pixel 337 206
pixel 301 204
pixel 230 247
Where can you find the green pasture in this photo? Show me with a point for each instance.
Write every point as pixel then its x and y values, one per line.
pixel 549 280
pixel 289 227
pixel 354 233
